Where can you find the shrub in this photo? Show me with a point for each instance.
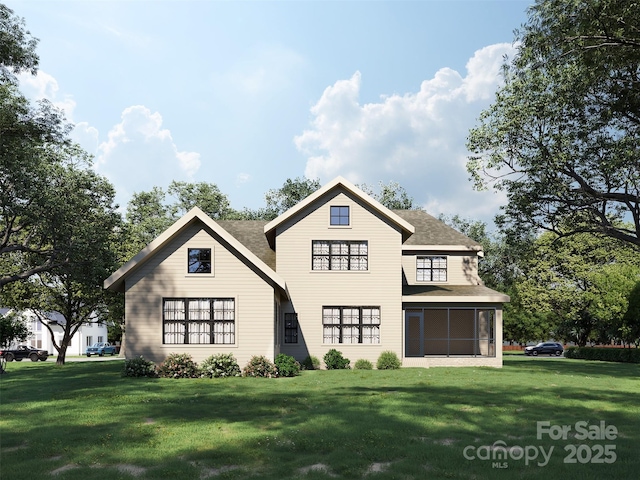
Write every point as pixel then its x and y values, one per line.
pixel 363 364
pixel 311 363
pixel 287 366
pixel 138 367
pixel 334 360
pixel 625 355
pixel 220 365
pixel 260 366
pixel 178 365
pixel 388 360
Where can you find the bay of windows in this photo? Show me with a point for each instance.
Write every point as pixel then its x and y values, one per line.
pixel 340 255
pixel 198 321
pixel 351 324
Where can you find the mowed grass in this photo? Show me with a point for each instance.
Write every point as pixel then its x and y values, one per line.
pixel 85 421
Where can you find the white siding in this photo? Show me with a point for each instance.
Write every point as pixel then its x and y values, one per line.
pixel 165 275
pixel 310 290
pixel 462 268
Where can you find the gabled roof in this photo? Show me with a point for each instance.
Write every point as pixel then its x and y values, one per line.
pixel 116 281
pixel 431 232
pixel 406 227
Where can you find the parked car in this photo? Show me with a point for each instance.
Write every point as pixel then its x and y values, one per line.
pixel 101 349
pixel 550 348
pixel 22 352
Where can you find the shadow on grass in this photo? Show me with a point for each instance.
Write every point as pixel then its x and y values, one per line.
pixel 416 422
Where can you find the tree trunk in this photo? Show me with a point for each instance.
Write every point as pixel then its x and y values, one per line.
pixel 62 353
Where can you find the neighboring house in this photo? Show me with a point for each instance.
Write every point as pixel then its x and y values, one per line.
pixel 40 337
pixel 338 270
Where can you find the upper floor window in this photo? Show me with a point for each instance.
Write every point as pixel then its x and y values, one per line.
pixel 199 260
pixel 339 216
pixel 340 255
pixel 431 269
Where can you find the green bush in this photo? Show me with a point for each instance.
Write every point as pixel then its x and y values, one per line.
pixel 220 365
pixel 287 366
pixel 363 364
pixel 178 365
pixel 624 355
pixel 260 366
pixel 311 363
pixel 334 360
pixel 388 360
pixel 138 367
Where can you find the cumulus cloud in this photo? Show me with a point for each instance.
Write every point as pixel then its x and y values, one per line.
pixel 417 139
pixel 139 153
pixel 45 86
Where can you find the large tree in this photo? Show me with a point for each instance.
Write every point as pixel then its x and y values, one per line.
pixel 563 136
pixel 34 143
pixel 580 284
pixel 17 46
pixel 73 288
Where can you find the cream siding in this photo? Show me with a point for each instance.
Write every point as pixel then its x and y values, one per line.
pixel 310 290
pixel 165 275
pixel 462 268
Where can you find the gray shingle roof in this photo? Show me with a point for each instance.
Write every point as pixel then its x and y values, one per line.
pixel 251 234
pixel 448 291
pixel 431 231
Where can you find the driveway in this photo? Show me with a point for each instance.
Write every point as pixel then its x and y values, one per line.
pixel 92 358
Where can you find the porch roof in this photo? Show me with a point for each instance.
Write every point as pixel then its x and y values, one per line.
pixel 451 293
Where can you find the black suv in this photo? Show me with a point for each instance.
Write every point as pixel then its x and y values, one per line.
pixel 22 352
pixel 550 348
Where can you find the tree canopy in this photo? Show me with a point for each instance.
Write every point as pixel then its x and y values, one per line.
pixel 562 138
pixel 17 46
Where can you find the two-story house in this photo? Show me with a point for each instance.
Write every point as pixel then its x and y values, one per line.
pixel 338 270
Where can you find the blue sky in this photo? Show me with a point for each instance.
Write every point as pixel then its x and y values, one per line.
pixel 247 94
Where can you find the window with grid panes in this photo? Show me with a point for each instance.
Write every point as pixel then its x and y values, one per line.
pixel 198 321
pixel 340 255
pixel 351 324
pixel 431 269
pixel 290 328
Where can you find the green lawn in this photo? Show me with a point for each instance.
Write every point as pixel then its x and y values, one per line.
pixel 85 421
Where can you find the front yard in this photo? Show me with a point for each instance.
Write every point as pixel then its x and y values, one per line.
pixel 85 421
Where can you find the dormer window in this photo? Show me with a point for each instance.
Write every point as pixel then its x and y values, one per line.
pixel 431 269
pixel 199 260
pixel 339 216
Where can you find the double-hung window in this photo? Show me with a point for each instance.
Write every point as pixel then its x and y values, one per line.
pixel 340 255
pixel 431 269
pixel 351 324
pixel 290 328
pixel 198 321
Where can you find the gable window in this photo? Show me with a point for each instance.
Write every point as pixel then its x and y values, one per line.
pixel 199 260
pixel 351 324
pixel 290 328
pixel 198 321
pixel 340 255
pixel 339 216
pixel 431 269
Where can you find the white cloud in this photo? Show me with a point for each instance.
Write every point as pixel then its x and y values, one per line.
pixel 139 154
pixel 45 86
pixel 417 139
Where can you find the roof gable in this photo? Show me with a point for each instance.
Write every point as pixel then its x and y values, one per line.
pixel 270 228
pixel 116 281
